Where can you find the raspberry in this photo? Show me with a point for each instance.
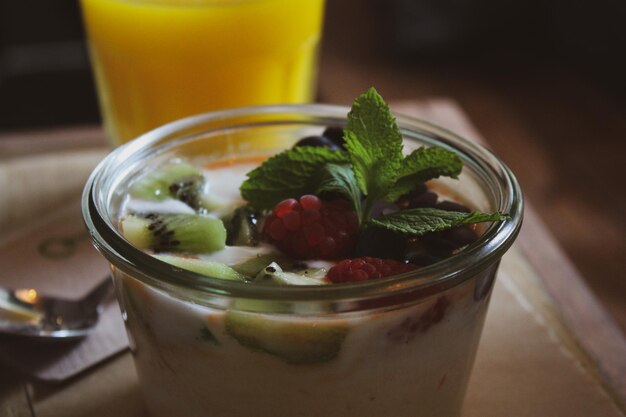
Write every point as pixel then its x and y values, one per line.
pixel 362 269
pixel 310 228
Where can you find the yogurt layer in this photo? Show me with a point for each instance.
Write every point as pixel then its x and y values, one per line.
pixel 222 357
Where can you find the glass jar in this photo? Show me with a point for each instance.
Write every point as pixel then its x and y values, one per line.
pixel 398 346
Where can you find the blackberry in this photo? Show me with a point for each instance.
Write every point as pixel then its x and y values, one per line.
pixel 317 141
pixel 335 135
pixel 381 243
pixel 332 138
pixel 433 247
pixel 419 197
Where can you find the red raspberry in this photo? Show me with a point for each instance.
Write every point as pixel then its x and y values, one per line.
pixel 312 228
pixel 363 269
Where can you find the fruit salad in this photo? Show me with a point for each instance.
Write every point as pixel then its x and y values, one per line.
pixel 330 242
pixel 338 207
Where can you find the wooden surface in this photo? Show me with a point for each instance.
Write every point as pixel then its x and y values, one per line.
pixel 543 296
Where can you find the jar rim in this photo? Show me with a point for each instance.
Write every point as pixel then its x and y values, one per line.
pixel 488 249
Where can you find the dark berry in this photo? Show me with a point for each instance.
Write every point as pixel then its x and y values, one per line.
pixel 460 236
pixel 421 253
pixel 419 197
pixel 335 134
pixel 382 208
pixel 423 258
pixel 366 268
pixel 380 243
pixel 310 228
pixel 427 199
pixel 317 141
pixel 452 206
pixel 434 247
pixel 444 243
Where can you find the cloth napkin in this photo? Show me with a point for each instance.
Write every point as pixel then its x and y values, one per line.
pixel 55 256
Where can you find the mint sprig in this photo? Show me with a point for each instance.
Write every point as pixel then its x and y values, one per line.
pixel 374 144
pixel 372 168
pixel 289 174
pixel 424 164
pixel 336 179
pixel 419 221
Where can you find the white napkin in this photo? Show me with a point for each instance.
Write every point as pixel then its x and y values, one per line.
pixel 55 256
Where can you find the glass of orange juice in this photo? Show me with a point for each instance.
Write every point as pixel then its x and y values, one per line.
pixel 159 60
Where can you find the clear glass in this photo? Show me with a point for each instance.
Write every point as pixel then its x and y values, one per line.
pixel 395 347
pixel 156 61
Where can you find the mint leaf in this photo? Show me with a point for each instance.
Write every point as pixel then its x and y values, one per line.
pixel 339 179
pixel 424 164
pixel 374 143
pixel 419 221
pixel 373 166
pixel 289 174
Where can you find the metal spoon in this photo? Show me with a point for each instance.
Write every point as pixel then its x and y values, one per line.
pixel 26 312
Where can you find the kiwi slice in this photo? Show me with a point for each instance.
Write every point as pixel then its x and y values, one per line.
pixel 174 180
pixel 253 266
pixel 243 227
pixel 303 342
pixel 274 274
pixel 169 232
pixel 180 181
pixel 203 266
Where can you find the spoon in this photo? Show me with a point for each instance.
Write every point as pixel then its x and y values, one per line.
pixel 26 312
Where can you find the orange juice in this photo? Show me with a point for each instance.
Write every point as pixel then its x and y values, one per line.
pixel 159 60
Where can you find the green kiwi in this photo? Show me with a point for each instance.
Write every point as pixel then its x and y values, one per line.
pixel 180 181
pixel 274 274
pixel 169 232
pixel 243 227
pixel 303 342
pixel 203 266
pixel 252 266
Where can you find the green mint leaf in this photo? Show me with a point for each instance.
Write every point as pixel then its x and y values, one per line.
pixel 374 143
pixel 424 164
pixel 339 179
pixel 289 174
pixel 419 221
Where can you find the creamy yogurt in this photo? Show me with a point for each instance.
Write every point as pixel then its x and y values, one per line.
pixel 212 358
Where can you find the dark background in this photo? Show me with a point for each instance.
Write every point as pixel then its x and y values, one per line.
pixel 45 78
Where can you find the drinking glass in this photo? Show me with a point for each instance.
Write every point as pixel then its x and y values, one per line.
pixel 156 61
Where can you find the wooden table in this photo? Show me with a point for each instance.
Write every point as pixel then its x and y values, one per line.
pixel 549 348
